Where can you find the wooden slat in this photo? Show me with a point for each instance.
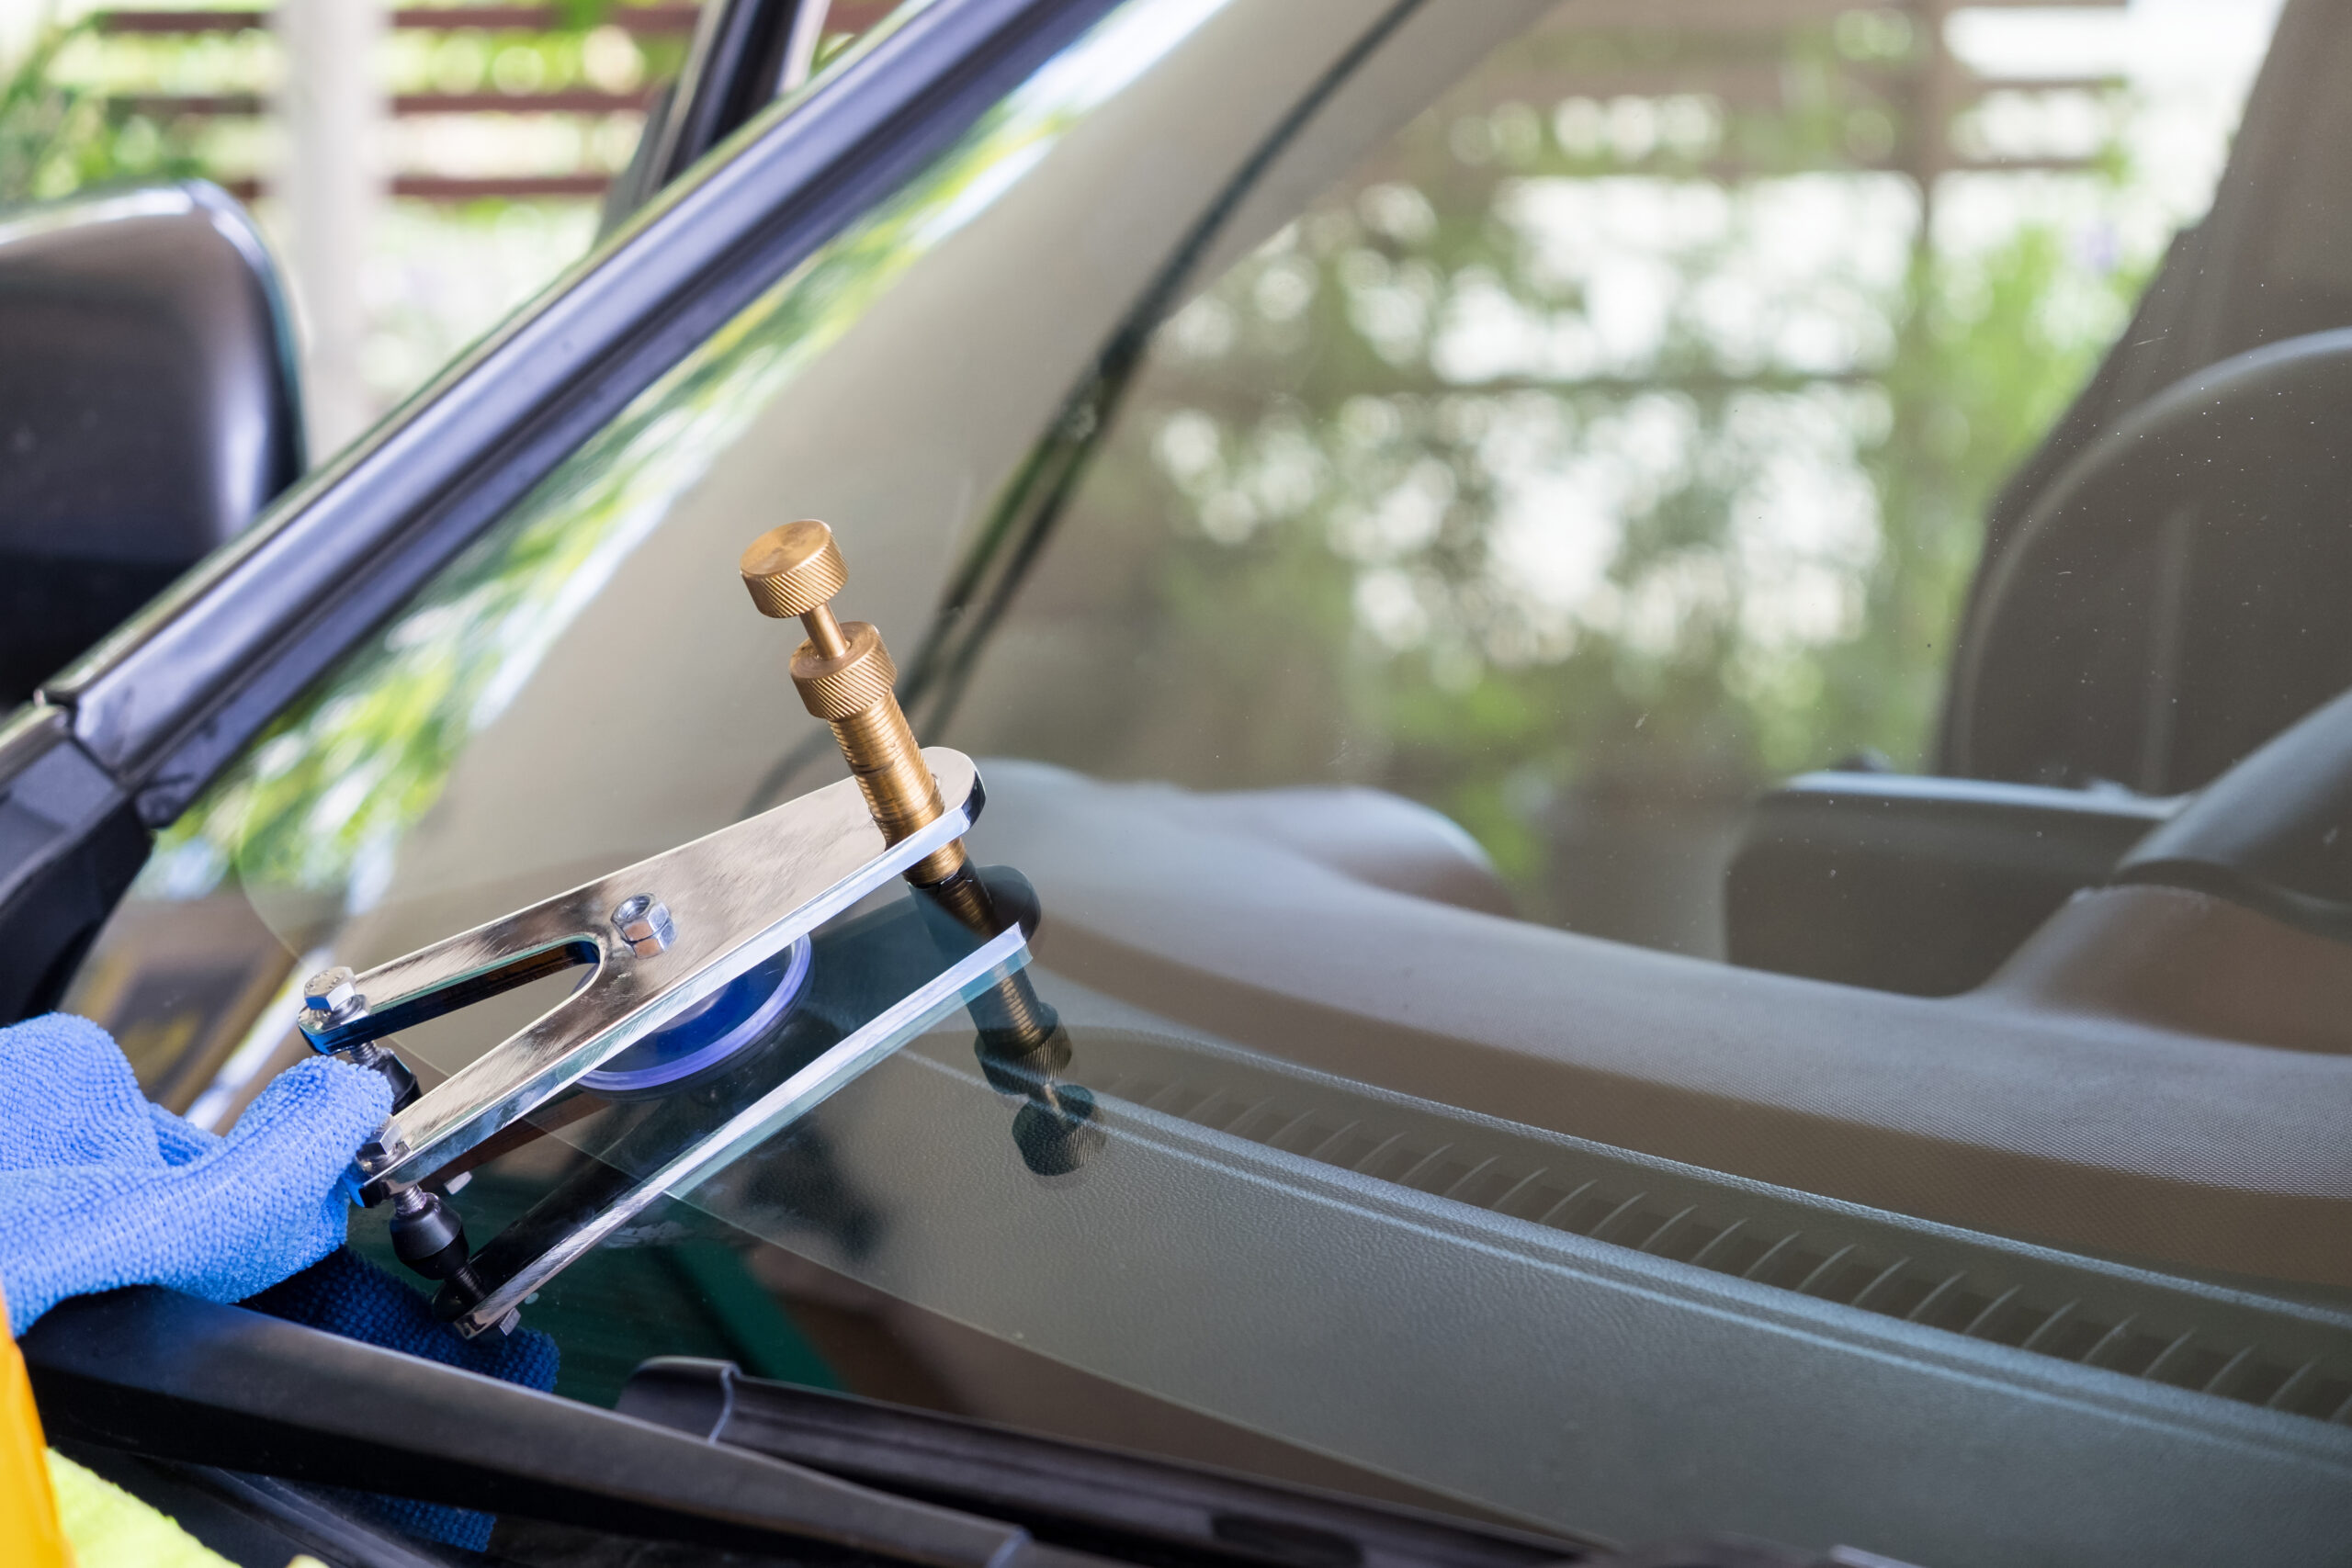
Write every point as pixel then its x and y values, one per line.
pixel 649 20
pixel 570 100
pixel 856 16
pixel 845 17
pixel 179 21
pixel 455 188
pixel 448 187
pixel 1759 84
pixel 203 105
pixel 652 20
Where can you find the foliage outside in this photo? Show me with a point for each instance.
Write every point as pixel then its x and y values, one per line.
pixel 321 804
pixel 58 136
pixel 1401 504
pixel 1401 500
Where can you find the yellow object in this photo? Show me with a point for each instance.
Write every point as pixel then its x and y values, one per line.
pixel 29 1532
pixel 111 1529
pixel 55 1514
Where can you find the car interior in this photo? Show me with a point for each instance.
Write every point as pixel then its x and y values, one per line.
pixel 2003 1098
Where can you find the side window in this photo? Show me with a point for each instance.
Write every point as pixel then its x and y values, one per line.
pixel 746 53
pixel 1611 441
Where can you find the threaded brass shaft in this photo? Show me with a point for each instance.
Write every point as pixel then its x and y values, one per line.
pixel 899 791
pixel 1011 1012
pixel 845 677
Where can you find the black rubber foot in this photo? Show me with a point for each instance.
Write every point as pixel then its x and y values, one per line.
pixel 1057 1140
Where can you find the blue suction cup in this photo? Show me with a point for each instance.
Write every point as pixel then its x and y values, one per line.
pixel 739 1014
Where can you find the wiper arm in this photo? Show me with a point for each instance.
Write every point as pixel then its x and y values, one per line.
pixel 155 1372
pixel 1136 1508
pixel 697 1452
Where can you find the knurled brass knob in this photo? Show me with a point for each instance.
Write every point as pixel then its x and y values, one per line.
pixel 793 570
pixel 846 683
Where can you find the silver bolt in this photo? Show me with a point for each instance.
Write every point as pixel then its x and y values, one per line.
pixel 645 925
pixel 331 997
pixel 384 1151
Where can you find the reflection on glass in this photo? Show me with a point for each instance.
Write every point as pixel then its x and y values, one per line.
pixel 1614 440
pixel 721 1121
pixel 321 802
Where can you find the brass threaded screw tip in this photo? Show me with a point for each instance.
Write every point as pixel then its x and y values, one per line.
pixel 845 677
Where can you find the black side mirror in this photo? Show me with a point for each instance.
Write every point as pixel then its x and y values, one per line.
pixel 147 407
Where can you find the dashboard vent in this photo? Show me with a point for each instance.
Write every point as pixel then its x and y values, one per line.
pixel 2276 1355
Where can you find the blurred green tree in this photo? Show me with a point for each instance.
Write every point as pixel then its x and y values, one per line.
pixel 1637 445
pixel 58 137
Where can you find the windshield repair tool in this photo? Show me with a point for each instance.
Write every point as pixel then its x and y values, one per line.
pixel 845 677
pixel 693 956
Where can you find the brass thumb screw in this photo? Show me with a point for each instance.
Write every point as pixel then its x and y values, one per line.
pixel 845 677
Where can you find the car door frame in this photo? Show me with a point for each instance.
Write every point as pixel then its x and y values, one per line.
pixel 119 743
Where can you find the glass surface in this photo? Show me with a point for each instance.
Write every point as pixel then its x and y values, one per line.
pixel 1578 424
pixel 1615 440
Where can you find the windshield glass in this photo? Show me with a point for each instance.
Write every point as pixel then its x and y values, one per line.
pixel 1615 440
pixel 1388 498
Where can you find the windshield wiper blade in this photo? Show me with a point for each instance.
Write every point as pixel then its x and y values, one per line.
pixel 154 1372
pixel 698 1453
pixel 1135 1507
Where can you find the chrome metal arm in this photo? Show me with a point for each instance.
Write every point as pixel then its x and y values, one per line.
pixel 507 1289
pixel 663 935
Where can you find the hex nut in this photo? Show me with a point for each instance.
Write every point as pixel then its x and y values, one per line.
pixel 332 992
pixel 645 925
pixel 384 1151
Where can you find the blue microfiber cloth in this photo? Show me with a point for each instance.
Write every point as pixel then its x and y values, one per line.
pixel 99 1189
pixel 344 1293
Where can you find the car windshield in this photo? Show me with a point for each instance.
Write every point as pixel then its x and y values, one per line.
pixel 1388 498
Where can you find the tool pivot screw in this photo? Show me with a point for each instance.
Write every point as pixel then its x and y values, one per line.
pixel 645 925
pixel 331 994
pixel 382 1152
